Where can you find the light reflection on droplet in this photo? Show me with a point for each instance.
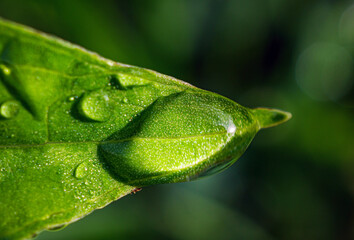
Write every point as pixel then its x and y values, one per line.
pixel 231 128
pixel 72 98
pixel 228 124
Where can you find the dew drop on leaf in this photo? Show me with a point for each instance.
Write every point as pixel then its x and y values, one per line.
pixel 81 170
pixel 96 106
pixel 110 63
pixel 72 98
pixel 9 109
pixel 231 128
pixel 57 228
pixel 5 70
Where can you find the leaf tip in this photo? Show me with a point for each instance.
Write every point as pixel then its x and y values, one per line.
pixel 271 117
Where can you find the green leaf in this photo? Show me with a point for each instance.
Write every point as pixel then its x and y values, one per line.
pixel 78 131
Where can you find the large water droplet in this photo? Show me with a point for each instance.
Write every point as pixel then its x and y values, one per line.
pixel 9 109
pixel 5 69
pixel 96 106
pixel 81 170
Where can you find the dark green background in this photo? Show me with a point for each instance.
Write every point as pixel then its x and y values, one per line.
pixel 295 181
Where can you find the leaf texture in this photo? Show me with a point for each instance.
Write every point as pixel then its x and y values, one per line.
pixel 78 131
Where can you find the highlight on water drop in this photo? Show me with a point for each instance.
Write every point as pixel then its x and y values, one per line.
pixel 72 98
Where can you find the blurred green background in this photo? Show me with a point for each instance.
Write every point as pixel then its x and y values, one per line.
pixel 295 181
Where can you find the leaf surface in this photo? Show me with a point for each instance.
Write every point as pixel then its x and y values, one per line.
pixel 78 131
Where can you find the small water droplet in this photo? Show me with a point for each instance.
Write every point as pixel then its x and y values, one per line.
pixel 57 228
pixel 126 100
pixel 110 63
pixel 72 98
pixel 9 109
pixel 5 69
pixel 81 170
pixel 96 106
pixel 12 135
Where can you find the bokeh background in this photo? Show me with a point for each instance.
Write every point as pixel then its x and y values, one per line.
pixel 295 181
